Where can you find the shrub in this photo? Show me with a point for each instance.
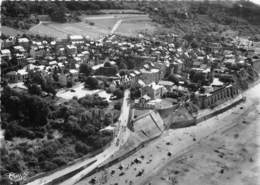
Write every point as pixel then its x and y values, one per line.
pixel 82 147
pixel 91 83
pixel 59 161
pixel 117 106
pixel 118 93
pixel 48 165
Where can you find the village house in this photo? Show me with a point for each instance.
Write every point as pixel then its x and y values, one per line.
pixel 167 84
pixel 17 76
pixel 71 50
pixel 37 51
pixel 22 75
pixel 142 103
pixel 197 62
pixel 150 75
pixel 12 76
pixel 30 60
pixel 53 63
pixel 215 47
pixel 205 74
pixel 133 78
pixel 62 79
pixel 6 54
pixel 61 67
pixel 60 51
pixel 179 88
pixel 8 42
pixel 154 91
pixel 176 66
pixel 84 56
pixel 74 74
pixel 128 80
pixel 19 49
pixel 76 40
pixel 162 68
pixel 24 42
pixel 61 58
pixel 21 59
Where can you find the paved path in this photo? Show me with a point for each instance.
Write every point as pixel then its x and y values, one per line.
pixel 116 16
pixel 119 140
pixel 116 26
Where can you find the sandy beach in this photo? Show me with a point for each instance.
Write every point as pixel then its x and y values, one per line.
pixel 233 133
pixel 228 157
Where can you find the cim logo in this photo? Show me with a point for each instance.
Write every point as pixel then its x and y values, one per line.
pixel 14 177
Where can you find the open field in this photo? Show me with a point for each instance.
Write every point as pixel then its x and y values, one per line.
pixel 130 24
pixel 10 31
pixel 61 31
pixel 133 27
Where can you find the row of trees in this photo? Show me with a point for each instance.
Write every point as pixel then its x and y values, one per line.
pixel 25 8
pixel 184 15
pixel 17 13
pixel 243 9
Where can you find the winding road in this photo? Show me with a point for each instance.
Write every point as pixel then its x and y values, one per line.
pixel 116 26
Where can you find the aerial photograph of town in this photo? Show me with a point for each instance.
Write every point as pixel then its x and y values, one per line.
pixel 116 92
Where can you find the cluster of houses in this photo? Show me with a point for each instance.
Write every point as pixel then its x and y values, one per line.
pixel 158 67
pixel 57 56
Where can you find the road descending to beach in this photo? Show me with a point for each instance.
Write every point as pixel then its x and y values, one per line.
pixel 119 140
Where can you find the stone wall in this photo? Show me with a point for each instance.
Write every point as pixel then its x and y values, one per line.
pixel 218 96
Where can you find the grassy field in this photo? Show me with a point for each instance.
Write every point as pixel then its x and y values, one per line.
pixel 131 25
pixel 62 30
pixel 10 31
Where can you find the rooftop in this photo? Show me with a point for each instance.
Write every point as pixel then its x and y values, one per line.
pixel 165 83
pixel 23 40
pixel 22 72
pixel 217 82
pixel 76 37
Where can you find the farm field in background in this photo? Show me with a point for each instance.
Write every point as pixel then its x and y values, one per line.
pixel 96 26
pixel 61 31
pixel 133 27
pixel 10 31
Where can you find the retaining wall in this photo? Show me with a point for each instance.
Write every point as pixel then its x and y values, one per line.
pixel 179 124
pixel 195 121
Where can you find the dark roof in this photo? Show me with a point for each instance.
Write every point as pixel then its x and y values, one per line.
pixel 107 71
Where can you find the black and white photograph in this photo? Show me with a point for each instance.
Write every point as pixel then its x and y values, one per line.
pixel 130 92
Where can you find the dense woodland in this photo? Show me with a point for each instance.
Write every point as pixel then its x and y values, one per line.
pixel 42 136
pixel 205 17
pixel 24 14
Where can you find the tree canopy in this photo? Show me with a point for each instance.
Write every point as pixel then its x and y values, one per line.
pixel 85 69
pixel 91 83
